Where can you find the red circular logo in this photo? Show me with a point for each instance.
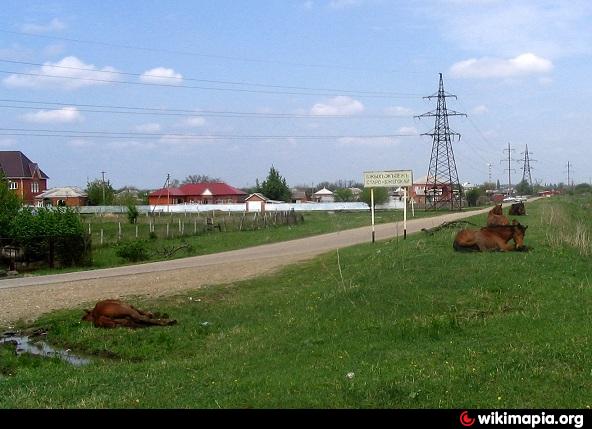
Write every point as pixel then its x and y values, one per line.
pixel 465 420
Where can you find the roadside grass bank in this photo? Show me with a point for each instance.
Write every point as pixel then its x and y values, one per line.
pixel 397 324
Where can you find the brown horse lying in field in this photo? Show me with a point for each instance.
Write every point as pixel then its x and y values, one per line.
pixel 496 216
pixel 491 238
pixel 517 209
pixel 111 313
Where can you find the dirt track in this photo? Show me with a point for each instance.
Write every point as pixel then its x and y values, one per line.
pixel 28 297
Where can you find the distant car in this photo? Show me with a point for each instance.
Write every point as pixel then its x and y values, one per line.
pixel 521 199
pixel 509 200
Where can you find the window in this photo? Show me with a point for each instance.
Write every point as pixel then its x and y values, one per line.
pixel 34 186
pixel 13 185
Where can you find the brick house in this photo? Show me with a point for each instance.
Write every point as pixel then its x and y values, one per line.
pixel 24 176
pixel 67 196
pixel 198 193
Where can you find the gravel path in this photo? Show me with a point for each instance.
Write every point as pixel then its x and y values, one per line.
pixel 27 298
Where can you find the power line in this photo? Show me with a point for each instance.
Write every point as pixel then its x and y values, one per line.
pixel 199 54
pixel 224 82
pixel 140 135
pixel 205 88
pixel 181 112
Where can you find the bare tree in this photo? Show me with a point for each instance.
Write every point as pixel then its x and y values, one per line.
pixel 200 178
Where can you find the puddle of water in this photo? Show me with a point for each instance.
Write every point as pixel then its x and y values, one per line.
pixel 24 344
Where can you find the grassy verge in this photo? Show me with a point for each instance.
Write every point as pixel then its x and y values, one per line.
pixel 396 324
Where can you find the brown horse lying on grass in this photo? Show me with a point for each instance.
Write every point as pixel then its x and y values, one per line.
pixel 496 216
pixel 517 209
pixel 491 238
pixel 112 313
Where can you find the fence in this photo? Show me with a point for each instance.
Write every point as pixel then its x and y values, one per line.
pixel 111 228
pixel 233 208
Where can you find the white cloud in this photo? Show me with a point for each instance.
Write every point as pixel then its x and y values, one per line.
pixel 73 70
pixel 131 144
pixel 502 28
pixel 54 25
pixel 80 143
pixel 151 127
pixel 193 122
pixel 480 109
pixel 63 115
pixel 7 142
pixel 162 75
pixel 398 111
pixel 367 141
pixel 340 105
pixel 482 68
pixel 342 4
pixel 408 130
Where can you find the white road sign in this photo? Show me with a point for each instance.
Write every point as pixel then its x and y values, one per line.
pixel 388 179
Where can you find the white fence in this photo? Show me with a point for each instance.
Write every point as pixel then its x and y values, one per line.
pixel 204 208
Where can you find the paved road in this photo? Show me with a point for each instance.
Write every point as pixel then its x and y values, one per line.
pixel 28 297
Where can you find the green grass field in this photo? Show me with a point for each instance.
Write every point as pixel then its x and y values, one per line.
pixel 397 324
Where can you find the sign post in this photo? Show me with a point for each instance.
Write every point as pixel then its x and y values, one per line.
pixel 372 211
pixel 388 179
pixel 405 214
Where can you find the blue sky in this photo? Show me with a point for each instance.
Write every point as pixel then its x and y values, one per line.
pixel 324 89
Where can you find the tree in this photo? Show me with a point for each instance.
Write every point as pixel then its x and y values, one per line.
pixel 343 195
pixel 100 193
pixel 473 196
pixel 583 188
pixel 201 178
pixel 10 204
pixel 132 213
pixel 380 196
pixel 523 188
pixel 275 186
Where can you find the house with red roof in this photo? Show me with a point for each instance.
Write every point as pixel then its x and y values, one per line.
pixel 24 176
pixel 198 193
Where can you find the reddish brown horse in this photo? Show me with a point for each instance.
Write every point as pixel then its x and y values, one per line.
pixel 491 238
pixel 496 216
pixel 111 313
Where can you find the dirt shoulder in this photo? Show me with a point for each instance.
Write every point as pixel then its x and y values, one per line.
pixel 29 297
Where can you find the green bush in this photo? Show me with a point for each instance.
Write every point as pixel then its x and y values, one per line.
pixel 133 251
pixel 53 234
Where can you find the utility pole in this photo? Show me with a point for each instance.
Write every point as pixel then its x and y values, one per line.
pixel 442 179
pixel 103 173
pixel 489 172
pixel 568 174
pixel 168 184
pixel 510 169
pixel 526 174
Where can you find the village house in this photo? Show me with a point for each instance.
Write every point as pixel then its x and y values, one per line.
pixel 198 193
pixel 324 196
pixel 67 196
pixel 24 176
pixel 299 196
pixel 424 191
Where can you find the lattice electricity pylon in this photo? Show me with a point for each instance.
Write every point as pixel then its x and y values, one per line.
pixel 526 174
pixel 442 184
